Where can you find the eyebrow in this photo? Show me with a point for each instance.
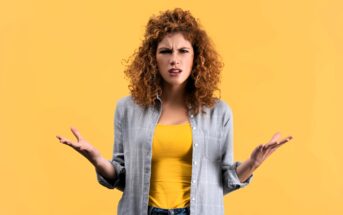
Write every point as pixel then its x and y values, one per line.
pixel 170 48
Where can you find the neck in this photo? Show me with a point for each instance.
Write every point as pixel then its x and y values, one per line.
pixel 173 95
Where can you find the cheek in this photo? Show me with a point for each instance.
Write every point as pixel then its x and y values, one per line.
pixel 161 62
pixel 190 61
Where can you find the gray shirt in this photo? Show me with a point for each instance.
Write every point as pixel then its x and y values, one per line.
pixel 213 169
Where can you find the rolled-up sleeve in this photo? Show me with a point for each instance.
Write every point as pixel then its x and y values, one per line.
pixel 231 180
pixel 117 157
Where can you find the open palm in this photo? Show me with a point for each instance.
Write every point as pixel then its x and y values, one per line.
pixel 81 146
pixel 261 152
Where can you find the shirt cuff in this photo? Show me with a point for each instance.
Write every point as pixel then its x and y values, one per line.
pixel 231 179
pixel 118 181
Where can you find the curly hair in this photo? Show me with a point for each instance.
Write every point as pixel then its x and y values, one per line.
pixel 142 71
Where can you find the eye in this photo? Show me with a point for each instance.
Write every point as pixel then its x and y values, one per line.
pixel 184 51
pixel 165 51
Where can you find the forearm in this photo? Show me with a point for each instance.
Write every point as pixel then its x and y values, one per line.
pixel 104 168
pixel 245 169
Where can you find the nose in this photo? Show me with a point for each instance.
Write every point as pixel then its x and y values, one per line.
pixel 174 59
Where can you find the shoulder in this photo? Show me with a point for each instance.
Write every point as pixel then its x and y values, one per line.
pixel 127 104
pixel 219 113
pixel 122 107
pixel 223 112
pixel 125 101
pixel 222 108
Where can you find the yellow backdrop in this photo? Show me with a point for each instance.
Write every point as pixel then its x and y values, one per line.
pixel 61 66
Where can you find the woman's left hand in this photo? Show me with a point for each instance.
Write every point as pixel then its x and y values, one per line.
pixel 261 152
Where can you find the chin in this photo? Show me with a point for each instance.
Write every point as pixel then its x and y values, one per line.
pixel 175 83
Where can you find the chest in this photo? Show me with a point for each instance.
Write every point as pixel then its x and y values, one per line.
pixel 172 116
pixel 139 126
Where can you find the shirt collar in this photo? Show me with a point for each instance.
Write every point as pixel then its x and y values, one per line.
pixel 160 99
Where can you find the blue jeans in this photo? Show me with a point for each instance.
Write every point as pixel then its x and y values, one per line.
pixel 176 211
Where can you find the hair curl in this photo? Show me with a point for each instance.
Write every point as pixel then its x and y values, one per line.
pixel 142 71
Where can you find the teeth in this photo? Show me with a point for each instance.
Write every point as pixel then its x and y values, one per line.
pixel 175 71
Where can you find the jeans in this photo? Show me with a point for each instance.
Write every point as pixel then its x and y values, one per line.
pixel 160 211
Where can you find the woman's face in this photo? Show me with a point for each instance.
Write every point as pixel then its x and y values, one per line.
pixel 174 56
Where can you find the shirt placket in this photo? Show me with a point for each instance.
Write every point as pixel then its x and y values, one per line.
pixel 147 173
pixel 195 164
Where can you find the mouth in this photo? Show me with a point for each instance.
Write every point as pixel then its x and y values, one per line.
pixel 173 71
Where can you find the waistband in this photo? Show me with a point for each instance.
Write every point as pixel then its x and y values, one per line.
pixel 175 211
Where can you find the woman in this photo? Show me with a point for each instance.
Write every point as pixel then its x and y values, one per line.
pixel 173 148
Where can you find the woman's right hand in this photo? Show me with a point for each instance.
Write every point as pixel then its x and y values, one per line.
pixel 82 146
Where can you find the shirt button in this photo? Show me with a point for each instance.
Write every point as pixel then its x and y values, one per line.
pixel 194 128
pixel 191 115
pixel 194 181
pixel 193 198
pixel 195 163
pixel 196 144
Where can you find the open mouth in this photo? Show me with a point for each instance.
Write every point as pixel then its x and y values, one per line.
pixel 174 71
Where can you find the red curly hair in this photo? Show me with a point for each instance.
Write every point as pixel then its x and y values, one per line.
pixel 142 71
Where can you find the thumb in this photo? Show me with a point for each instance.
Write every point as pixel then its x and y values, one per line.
pixel 275 137
pixel 76 133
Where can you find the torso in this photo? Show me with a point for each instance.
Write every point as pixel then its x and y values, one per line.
pixel 173 116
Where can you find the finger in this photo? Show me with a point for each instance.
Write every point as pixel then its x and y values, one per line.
pixel 277 146
pixel 270 144
pixel 269 152
pixel 59 137
pixel 273 147
pixel 275 137
pixel 264 151
pixel 265 147
pixel 76 133
pixel 286 139
pixel 65 141
pixel 268 147
pixel 258 149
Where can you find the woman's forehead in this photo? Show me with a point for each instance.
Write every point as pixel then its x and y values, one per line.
pixel 174 40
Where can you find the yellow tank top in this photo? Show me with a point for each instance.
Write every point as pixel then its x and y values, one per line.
pixel 171 166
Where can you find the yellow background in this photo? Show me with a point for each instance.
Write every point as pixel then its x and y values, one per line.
pixel 61 66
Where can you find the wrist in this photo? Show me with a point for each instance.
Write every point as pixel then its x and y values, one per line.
pixel 253 164
pixel 97 161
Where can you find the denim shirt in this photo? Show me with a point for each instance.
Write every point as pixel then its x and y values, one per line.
pixel 213 169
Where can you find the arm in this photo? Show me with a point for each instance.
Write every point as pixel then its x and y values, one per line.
pixel 113 177
pixel 245 170
pixel 237 174
pixel 110 173
pixel 105 168
pixel 260 153
pixel 232 180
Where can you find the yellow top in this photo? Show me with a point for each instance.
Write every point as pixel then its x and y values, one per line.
pixel 171 166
